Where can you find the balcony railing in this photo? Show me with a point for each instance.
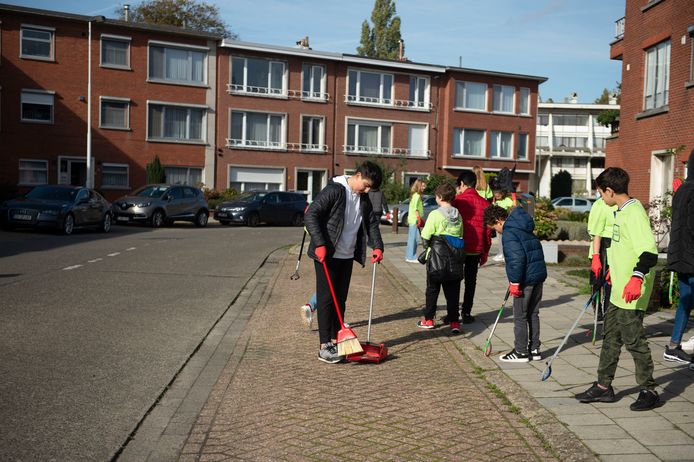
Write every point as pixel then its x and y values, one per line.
pixel 304 147
pixel 255 144
pixel 308 95
pixel 619 29
pixel 388 102
pixel 413 153
pixel 238 89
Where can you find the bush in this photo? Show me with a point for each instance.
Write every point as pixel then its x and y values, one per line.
pixel 214 197
pixel 560 185
pixel 545 218
pixel 578 216
pixel 155 172
pixel 435 180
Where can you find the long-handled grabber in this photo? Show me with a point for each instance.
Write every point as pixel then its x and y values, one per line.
pixel 488 345
pixel 296 275
pixel 548 370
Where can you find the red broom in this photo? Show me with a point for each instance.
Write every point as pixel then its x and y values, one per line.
pixel 347 341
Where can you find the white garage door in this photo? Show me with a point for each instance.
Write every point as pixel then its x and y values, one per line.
pixel 256 178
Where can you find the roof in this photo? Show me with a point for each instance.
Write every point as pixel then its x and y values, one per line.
pixel 497 73
pixel 577 106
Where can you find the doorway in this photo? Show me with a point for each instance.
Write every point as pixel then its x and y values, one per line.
pixel 73 171
pixel 310 182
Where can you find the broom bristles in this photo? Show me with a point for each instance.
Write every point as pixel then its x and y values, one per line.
pixel 349 347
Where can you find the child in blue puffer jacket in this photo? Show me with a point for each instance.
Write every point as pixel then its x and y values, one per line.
pixel 526 272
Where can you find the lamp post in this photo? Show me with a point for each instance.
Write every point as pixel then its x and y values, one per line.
pixel 90 169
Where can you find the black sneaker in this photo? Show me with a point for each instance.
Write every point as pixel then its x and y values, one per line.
pixel 328 354
pixel 691 365
pixel 648 399
pixel 595 393
pixel 676 354
pixel 514 357
pixel 445 321
pixel 468 319
pixel 535 354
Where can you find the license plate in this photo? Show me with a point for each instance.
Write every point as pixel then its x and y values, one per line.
pixel 122 219
pixel 22 217
pixel 221 214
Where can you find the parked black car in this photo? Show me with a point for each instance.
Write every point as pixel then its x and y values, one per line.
pixel 254 207
pixel 61 207
pixel 158 204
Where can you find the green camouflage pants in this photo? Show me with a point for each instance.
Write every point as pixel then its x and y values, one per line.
pixel 625 327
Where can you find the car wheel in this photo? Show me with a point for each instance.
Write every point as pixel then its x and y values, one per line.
pixel 298 219
pixel 201 218
pixel 68 224
pixel 403 222
pixel 106 224
pixel 157 219
pixel 253 219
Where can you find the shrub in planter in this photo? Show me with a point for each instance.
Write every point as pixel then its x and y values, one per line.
pixel 545 219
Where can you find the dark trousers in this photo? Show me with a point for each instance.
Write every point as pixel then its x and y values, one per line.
pixel 526 319
pixel 451 290
pixel 625 327
pixel 340 274
pixel 472 264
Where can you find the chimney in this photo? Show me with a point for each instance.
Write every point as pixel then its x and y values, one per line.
pixel 401 52
pixel 574 98
pixel 303 43
pixel 613 98
pixel 126 12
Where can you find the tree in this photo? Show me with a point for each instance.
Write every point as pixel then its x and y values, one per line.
pixel 383 39
pixel 189 14
pixel 604 97
pixel 155 172
pixel 560 185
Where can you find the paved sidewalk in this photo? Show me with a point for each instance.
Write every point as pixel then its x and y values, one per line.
pixel 275 401
pixel 610 430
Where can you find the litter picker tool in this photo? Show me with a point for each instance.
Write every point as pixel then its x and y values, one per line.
pixel 488 345
pixel 548 370
pixel 672 280
pixel 347 342
pixel 296 275
pixel 373 352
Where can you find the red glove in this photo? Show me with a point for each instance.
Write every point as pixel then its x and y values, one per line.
pixel 607 278
pixel 515 290
pixel 595 265
pixel 676 183
pixel 483 258
pixel 420 222
pixel 321 252
pixel 376 256
pixel 632 291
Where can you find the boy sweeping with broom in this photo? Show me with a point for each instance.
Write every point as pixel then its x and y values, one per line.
pixel 340 221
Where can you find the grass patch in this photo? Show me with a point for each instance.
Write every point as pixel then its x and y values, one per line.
pixel 580 273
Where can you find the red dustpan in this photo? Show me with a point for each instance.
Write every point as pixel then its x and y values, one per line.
pixel 373 352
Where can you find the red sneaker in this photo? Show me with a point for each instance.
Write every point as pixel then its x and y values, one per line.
pixel 426 324
pixel 455 327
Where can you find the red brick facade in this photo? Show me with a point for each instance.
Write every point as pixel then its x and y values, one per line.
pixel 647 135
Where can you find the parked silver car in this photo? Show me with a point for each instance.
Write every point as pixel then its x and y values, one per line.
pixel 575 204
pixel 428 202
pixel 160 204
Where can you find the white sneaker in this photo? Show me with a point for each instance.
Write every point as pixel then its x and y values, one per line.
pixel 307 315
pixel 688 346
pixel 499 257
pixel 411 261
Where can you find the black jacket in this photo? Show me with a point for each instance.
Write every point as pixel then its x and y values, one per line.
pixel 378 202
pixel 525 261
pixel 444 262
pixel 680 251
pixel 324 222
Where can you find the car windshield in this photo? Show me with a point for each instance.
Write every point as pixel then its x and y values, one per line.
pixel 52 193
pixel 151 191
pixel 251 196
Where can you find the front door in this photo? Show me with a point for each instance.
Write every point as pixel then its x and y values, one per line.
pixel 73 171
pixel 309 182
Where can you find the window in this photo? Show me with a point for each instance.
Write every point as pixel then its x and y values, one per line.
pixel 657 76
pixel 115 52
pixel 370 87
pixel 570 142
pixel 176 123
pixel 256 178
pixel 467 142
pixel 571 120
pixel 503 98
pixel 33 172
pixel 257 129
pixel 191 176
pixel 115 176
pixel 417 137
pixel 565 203
pixel 543 119
pixel 599 143
pixel 37 106
pixel 368 137
pixel 542 141
pixel 419 94
pixel 471 95
pixel 524 101
pixel 691 61
pixel 313 82
pixel 502 143
pixel 115 113
pixel 312 133
pixel 522 148
pixel 177 65
pixel 37 42
pixel 258 76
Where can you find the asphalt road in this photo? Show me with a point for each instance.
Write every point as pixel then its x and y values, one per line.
pixel 93 326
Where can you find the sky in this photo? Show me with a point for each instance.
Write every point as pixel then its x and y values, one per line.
pixel 566 41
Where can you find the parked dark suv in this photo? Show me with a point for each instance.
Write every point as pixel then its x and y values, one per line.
pixel 254 207
pixel 159 204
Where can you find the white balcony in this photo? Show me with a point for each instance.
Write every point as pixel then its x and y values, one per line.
pixel 255 144
pixel 238 89
pixel 304 147
pixel 390 103
pixel 619 29
pixel 369 150
pixel 309 95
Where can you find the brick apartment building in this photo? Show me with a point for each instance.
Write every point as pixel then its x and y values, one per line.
pixel 655 42
pixel 241 115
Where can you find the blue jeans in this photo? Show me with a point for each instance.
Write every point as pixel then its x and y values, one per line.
pixel 684 308
pixel 412 239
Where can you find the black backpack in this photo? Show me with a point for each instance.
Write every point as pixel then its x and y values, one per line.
pixel 503 180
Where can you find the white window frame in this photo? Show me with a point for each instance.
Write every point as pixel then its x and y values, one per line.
pixel 310 95
pixel 283 184
pixel 661 83
pixel 518 143
pixel 524 110
pixel 27 183
pixel 253 144
pixel 114 38
pixel 113 99
pixel 380 149
pixel 188 170
pixel 246 89
pixel 40 92
pixel 417 153
pixel 203 128
pixel 321 134
pixel 127 176
pixel 460 132
pixel 178 46
pixel 497 142
pixel 503 89
pixel 358 99
pixel 461 85
pixel 419 101
pixel 50 30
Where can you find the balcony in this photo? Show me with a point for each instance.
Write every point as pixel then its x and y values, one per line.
pixel 249 90
pixel 389 103
pixel 619 29
pixel 310 148
pixel 255 144
pixel 374 150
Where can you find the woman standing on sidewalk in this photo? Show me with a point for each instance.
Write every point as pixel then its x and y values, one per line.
pixel 414 219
